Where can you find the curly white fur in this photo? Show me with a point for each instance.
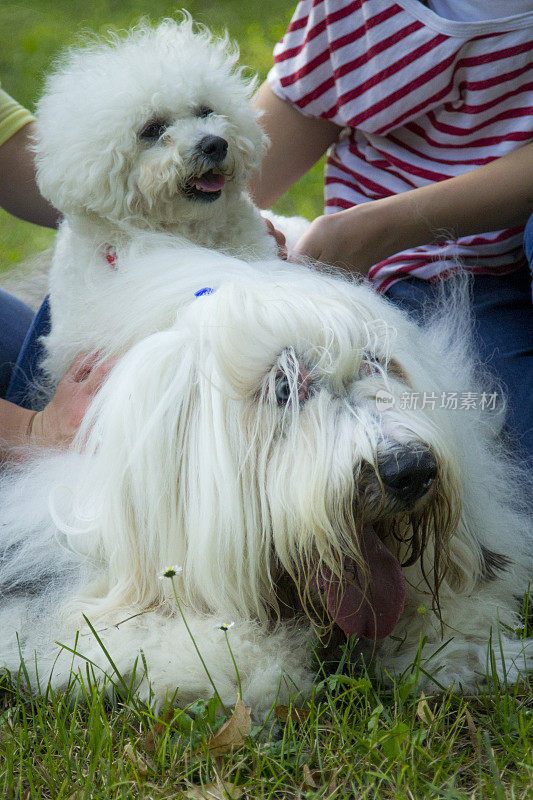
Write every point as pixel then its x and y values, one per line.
pixel 111 183
pixel 239 435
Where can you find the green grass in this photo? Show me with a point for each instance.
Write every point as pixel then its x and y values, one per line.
pixel 354 740
pixel 350 740
pixel 35 32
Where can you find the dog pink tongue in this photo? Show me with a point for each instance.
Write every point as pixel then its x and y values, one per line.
pixel 375 617
pixel 210 182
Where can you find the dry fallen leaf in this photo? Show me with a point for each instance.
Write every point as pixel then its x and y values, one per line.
pixel 297 714
pixel 332 783
pixel 214 791
pixel 308 782
pixel 152 738
pixel 423 711
pixel 136 759
pixel 233 732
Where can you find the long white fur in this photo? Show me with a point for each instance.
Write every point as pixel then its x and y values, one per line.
pixel 186 457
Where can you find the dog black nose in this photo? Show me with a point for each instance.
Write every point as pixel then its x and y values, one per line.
pixel 407 474
pixel 215 147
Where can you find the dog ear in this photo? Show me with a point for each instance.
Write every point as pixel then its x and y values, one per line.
pixel 170 480
pixel 101 189
pixel 135 436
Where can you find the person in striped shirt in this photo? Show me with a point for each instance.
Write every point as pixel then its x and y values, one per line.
pixel 426 113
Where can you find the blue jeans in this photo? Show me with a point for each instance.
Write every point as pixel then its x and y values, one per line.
pixel 528 246
pixel 15 320
pixel 26 372
pixel 503 328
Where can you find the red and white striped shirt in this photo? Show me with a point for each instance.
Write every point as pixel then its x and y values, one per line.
pixel 421 99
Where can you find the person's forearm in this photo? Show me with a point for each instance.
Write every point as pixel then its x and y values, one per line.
pixel 498 195
pixel 18 189
pixel 15 427
pixel 492 197
pixel 296 143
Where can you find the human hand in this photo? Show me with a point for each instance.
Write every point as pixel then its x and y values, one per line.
pixel 279 237
pixel 57 424
pixel 354 239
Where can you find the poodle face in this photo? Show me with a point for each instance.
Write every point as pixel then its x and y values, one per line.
pixel 155 128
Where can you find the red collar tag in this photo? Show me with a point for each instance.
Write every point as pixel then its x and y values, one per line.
pixel 111 256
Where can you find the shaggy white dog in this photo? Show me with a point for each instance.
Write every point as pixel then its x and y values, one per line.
pixel 249 443
pixel 255 433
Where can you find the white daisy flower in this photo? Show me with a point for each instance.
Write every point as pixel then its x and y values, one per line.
pixel 169 572
pixel 224 626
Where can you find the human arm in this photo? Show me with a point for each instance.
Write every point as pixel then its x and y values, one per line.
pixel 296 143
pixel 495 196
pixel 55 425
pixel 18 189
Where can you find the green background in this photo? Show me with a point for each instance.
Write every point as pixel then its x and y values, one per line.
pixel 33 32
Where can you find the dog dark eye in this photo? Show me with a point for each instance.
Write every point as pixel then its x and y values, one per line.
pixel 283 390
pixel 282 387
pixel 370 365
pixel 153 130
pixel 204 111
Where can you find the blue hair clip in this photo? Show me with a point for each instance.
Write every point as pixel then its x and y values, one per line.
pixel 205 290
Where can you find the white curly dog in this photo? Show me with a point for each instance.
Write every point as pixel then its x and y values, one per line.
pixel 151 132
pixel 254 432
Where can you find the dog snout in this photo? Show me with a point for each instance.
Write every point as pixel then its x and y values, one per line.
pixel 214 147
pixel 407 474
